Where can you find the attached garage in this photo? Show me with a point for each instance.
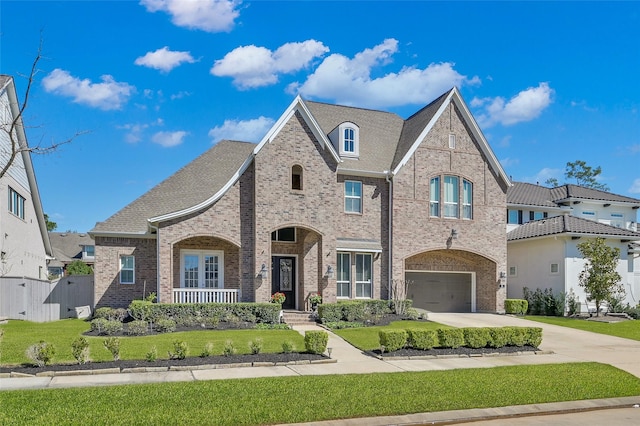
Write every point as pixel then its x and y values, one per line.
pixel 442 291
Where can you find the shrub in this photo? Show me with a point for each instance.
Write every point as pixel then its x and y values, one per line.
pixel 164 325
pixel 422 339
pixel 330 312
pixel 516 306
pixel 207 351
pixel 498 337
pixel 450 337
pixel 104 312
pixel 344 324
pixel 152 355
pixel 544 302
pixel 80 350
pixel 392 340
pixel 41 353
pixel 137 328
pixel 112 327
pixel 112 344
pixel 98 324
pixel 573 304
pixel 315 341
pixel 534 336
pixel 633 312
pixel 211 322
pixel 256 345
pixel 228 349
pixel 476 337
pixel 352 311
pixel 141 310
pixel 180 350
pixel 517 336
pixel 288 347
pixel 188 321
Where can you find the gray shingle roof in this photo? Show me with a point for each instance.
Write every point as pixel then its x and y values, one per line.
pixel 379 133
pixel 67 246
pixel 567 224
pixel 194 183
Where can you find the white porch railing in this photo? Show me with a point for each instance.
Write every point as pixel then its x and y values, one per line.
pixel 201 295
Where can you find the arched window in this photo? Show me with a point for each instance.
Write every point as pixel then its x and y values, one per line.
pixel 296 177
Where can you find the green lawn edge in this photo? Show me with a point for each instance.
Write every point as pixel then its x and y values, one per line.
pixel 625 329
pixel 273 400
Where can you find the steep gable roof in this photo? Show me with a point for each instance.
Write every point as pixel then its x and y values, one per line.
pixel 199 183
pixel 567 224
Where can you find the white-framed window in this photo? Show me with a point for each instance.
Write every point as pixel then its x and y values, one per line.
pixel 352 196
pixel 434 197
pixel 513 271
pixel 554 268
pixel 452 141
pixel 127 269
pixel 514 217
pixel 349 143
pixel 287 235
pixel 88 252
pixel 467 199
pixel 343 275
pixel 202 269
pixel 617 220
pixel 364 284
pixel 590 214
pixel 16 203
pixel 533 215
pixel 451 196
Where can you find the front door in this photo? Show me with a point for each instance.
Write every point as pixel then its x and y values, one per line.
pixel 283 273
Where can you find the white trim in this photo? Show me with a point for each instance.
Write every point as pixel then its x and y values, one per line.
pixel 120 269
pixel 359 250
pixel 201 254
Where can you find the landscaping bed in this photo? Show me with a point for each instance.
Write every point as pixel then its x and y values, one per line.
pixel 450 352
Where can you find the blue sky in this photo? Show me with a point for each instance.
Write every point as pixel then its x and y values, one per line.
pixel 149 85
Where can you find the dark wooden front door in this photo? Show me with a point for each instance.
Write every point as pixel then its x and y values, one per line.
pixel 283 273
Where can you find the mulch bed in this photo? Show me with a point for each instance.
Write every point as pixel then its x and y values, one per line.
pixel 463 351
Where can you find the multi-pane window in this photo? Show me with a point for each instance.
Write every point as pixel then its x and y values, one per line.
pixel 344 275
pixel 352 196
pixel 201 269
pixel 284 234
pixel 88 251
pixel 349 140
pixel 363 275
pixel 127 270
pixel 434 197
pixel 554 268
pixel 451 192
pixel 467 199
pixel 16 203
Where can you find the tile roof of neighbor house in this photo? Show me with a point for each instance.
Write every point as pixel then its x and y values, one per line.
pixel 189 186
pixel 567 224
pixel 67 246
pixel 379 134
pixel 535 195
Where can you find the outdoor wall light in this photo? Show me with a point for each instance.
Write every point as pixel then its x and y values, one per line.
pixel 263 271
pixel 329 271
pixel 454 234
pixel 503 275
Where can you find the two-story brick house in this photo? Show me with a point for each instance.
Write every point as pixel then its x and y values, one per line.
pixel 342 201
pixel 545 226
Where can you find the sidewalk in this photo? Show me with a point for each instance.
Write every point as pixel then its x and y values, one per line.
pixel 350 360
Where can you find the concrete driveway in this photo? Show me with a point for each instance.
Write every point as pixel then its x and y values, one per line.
pixel 574 345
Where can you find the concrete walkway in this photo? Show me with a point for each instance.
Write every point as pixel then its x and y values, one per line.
pixel 560 345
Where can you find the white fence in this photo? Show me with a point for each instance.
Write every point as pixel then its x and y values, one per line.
pixel 40 301
pixel 199 295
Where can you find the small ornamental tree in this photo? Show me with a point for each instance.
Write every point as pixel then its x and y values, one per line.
pixel 78 267
pixel 599 278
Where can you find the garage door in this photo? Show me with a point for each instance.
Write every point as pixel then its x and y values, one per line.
pixel 440 292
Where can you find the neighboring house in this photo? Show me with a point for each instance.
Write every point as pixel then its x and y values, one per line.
pixel 545 226
pixel 348 202
pixel 67 248
pixel 24 241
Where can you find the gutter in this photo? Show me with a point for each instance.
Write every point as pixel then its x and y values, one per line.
pixel 158 294
pixel 389 179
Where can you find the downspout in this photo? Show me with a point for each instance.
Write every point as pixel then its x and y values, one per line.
pixel 388 178
pixel 157 229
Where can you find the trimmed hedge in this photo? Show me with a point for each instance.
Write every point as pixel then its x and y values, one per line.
pixel 516 306
pixel 315 341
pixel 472 337
pixel 355 310
pixel 249 312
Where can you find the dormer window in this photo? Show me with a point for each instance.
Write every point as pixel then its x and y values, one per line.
pixel 346 138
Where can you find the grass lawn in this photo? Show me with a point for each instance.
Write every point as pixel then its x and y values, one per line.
pixel 314 398
pixel 366 338
pixel 19 335
pixel 626 329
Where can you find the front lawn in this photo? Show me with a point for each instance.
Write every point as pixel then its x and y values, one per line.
pixel 366 338
pixel 315 398
pixel 626 329
pixel 19 335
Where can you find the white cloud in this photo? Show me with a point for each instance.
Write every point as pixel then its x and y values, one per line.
pixel 181 94
pixel 107 95
pixel 207 15
pixel 525 106
pixel 635 187
pixel 248 130
pixel 348 80
pixel 254 66
pixel 508 162
pixel 547 173
pixel 169 139
pixel 136 130
pixel 164 59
